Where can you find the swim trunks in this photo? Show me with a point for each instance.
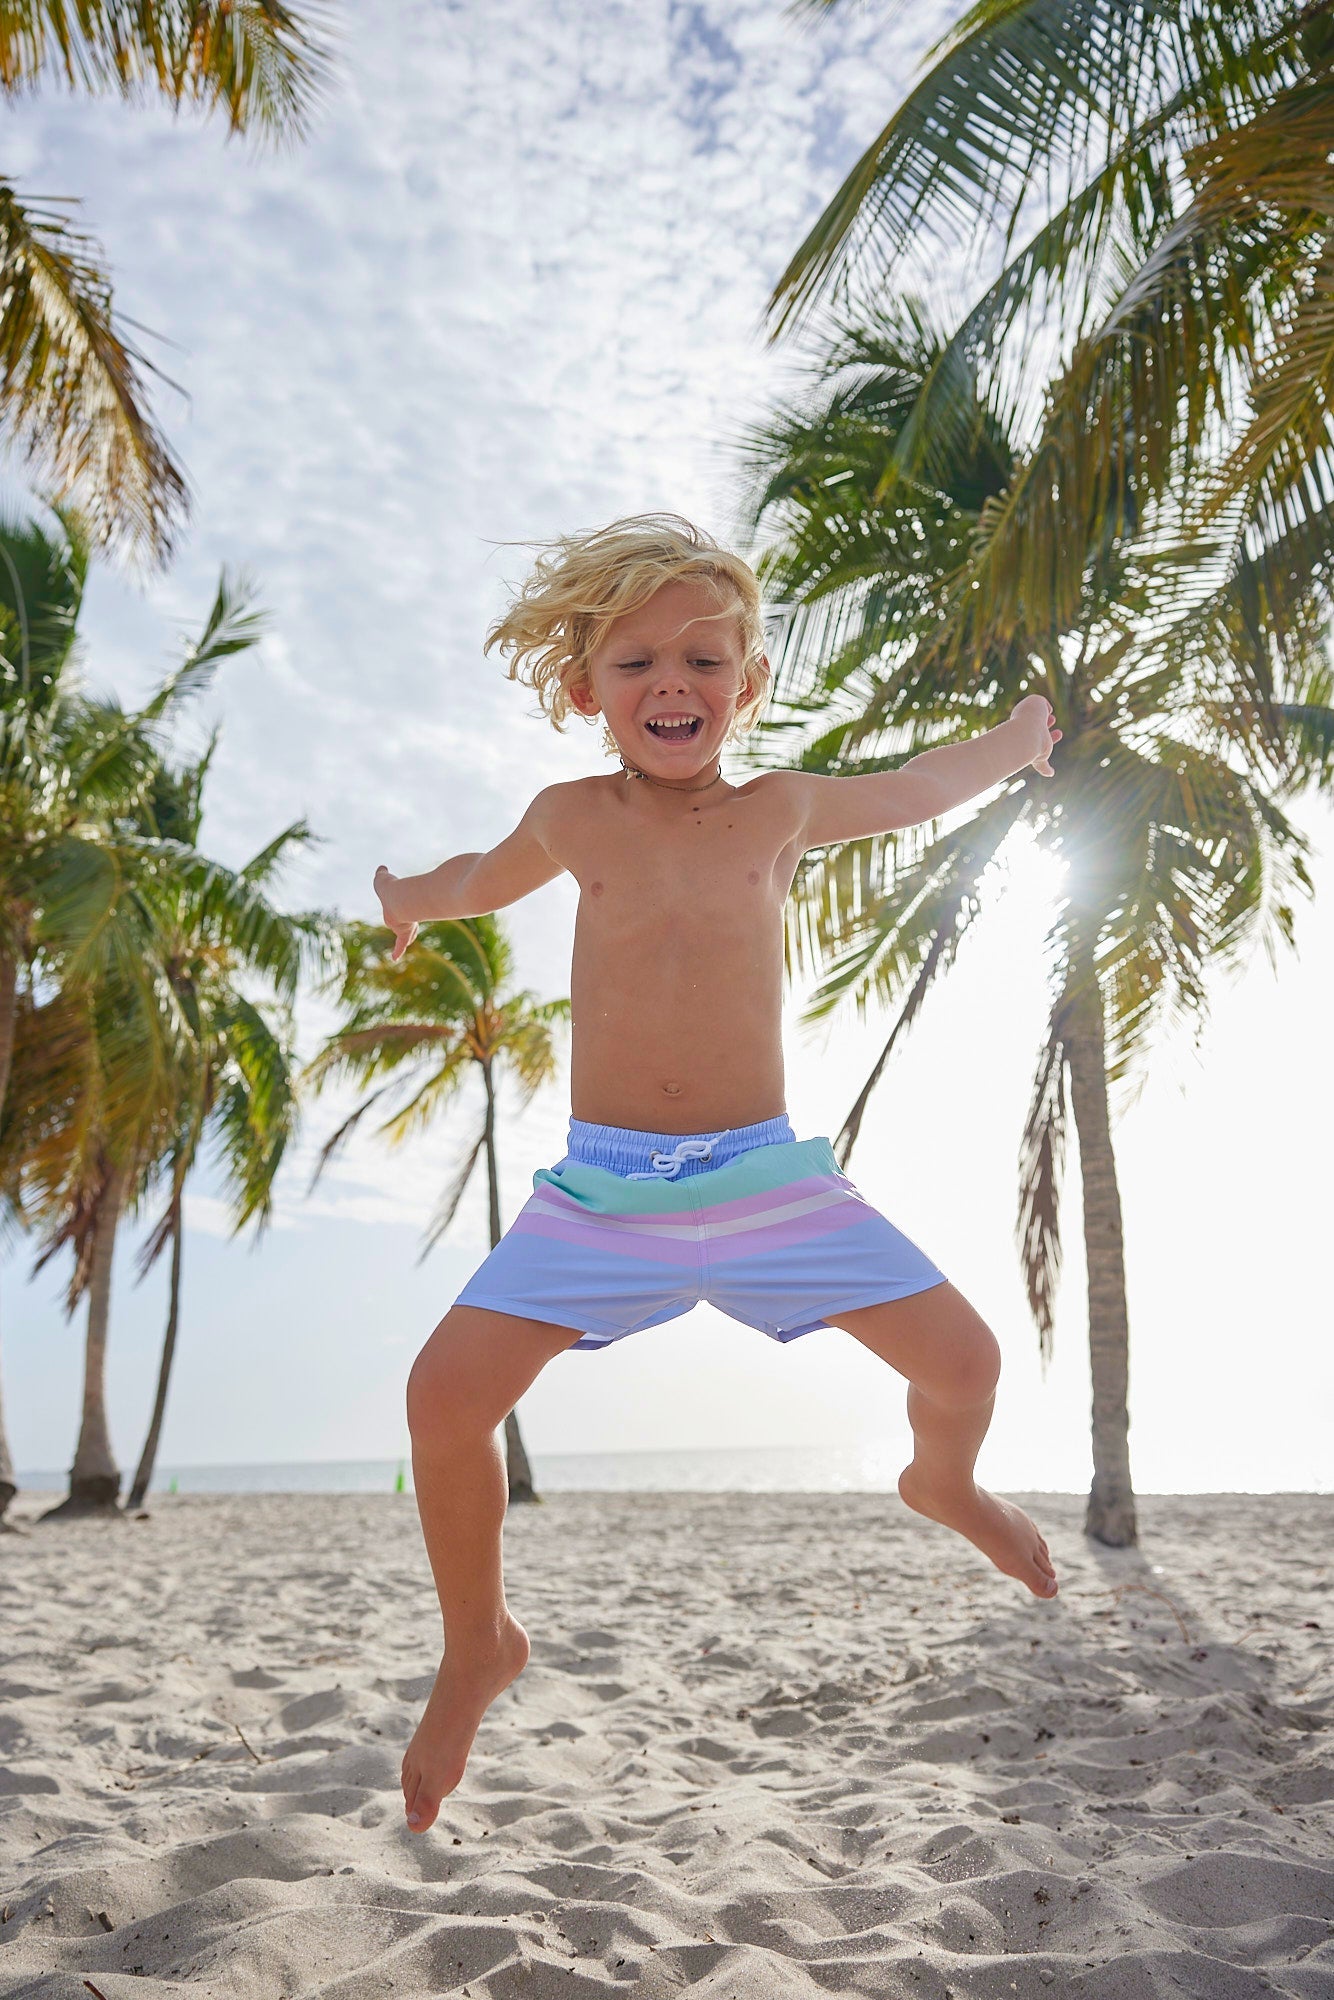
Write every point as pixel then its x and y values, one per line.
pixel 634 1228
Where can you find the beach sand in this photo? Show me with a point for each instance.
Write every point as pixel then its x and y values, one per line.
pixel 768 1746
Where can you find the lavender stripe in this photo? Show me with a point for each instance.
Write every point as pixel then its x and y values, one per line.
pixel 624 1243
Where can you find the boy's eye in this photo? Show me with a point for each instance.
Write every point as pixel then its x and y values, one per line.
pixel 626 665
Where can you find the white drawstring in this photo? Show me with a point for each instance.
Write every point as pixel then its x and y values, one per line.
pixel 666 1166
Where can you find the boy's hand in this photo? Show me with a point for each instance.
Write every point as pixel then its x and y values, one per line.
pixel 1037 716
pixel 403 927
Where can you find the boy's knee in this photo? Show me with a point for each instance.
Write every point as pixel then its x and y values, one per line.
pixel 973 1373
pixel 450 1385
pixel 437 1392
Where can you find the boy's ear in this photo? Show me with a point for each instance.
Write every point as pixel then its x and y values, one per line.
pixel 751 685
pixel 582 698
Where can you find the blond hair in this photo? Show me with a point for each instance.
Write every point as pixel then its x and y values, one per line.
pixel 581 583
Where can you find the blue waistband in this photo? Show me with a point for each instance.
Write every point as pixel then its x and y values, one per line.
pixel 621 1150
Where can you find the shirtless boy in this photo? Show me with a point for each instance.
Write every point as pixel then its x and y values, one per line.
pixel 683 1179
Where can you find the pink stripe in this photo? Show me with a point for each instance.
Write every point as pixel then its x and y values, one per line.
pixel 608 1243
pixel 766 1242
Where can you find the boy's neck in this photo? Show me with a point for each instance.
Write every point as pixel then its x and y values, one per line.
pixel 667 784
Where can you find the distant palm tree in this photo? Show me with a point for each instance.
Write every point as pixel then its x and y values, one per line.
pixel 84 884
pixel 72 398
pixel 1178 857
pixel 65 766
pixel 1153 185
pixel 241 1051
pixel 434 1018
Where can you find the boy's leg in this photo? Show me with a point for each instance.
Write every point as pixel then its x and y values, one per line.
pixel 952 1361
pixel 467 1378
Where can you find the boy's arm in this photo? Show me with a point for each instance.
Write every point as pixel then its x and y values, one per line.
pixel 472 885
pixel 932 783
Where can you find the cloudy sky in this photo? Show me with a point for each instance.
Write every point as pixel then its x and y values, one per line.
pixel 513 285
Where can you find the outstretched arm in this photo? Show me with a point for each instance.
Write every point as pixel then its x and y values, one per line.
pixel 471 885
pixel 933 782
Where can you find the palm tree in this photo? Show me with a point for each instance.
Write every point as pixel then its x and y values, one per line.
pixel 1155 183
pixel 240 1082
pixel 1164 809
pixel 84 883
pixel 72 393
pixel 61 763
pixel 436 1017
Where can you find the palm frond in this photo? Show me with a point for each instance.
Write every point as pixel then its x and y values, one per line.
pixel 447 1207
pixel 72 396
pixel 233 624
pixel 1015 92
pixel 1041 1172
pixel 260 64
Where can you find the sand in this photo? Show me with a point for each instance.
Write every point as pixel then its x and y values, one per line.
pixel 768 1746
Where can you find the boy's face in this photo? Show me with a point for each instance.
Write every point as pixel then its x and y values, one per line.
pixel 667 678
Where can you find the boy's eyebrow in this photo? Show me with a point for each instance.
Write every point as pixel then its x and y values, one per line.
pixel 633 644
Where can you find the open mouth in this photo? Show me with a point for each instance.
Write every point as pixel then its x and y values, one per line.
pixel 684 730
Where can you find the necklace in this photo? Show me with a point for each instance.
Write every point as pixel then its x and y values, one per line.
pixel 631 772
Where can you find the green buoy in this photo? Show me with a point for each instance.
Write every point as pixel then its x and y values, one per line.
pixel 400 1484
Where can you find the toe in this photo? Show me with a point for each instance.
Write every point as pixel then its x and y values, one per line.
pixel 423 1810
pixel 411 1793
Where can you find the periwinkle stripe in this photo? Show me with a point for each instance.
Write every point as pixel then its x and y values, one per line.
pixel 619 1149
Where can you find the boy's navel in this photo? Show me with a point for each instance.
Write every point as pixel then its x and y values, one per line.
pixel 672 1089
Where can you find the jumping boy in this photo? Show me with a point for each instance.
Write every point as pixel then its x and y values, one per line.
pixel 683 1179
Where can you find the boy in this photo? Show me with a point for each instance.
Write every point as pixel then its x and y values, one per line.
pixel 683 1178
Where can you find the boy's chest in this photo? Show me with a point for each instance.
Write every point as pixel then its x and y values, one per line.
pixel 718 866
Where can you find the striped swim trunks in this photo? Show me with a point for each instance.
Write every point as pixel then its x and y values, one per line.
pixel 634 1228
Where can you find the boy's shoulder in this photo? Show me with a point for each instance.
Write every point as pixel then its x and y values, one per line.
pixel 571 795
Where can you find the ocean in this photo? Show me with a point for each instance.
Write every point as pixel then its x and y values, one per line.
pixel 791 1469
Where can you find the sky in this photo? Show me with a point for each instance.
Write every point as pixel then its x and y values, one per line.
pixel 513 285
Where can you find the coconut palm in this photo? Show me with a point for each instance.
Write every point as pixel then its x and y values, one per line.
pixel 242 1050
pixel 433 1019
pixel 86 885
pixel 1164 809
pixel 1153 185
pixel 73 399
pixel 62 764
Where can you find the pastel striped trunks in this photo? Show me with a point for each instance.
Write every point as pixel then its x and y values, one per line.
pixel 634 1228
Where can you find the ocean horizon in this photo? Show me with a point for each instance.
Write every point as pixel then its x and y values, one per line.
pixel 745 1469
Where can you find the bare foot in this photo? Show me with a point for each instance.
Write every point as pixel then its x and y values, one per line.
pixel 1000 1529
pixel 465 1686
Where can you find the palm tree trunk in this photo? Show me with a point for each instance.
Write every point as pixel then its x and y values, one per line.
pixel 8 1483
pixel 94 1479
pixel 517 1468
pixel 1110 1516
pixel 9 976
pixel 148 1456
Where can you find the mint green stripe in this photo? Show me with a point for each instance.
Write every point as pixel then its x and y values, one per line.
pixel 755 1172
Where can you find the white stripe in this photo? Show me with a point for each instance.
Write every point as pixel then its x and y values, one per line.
pixel 771 1215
